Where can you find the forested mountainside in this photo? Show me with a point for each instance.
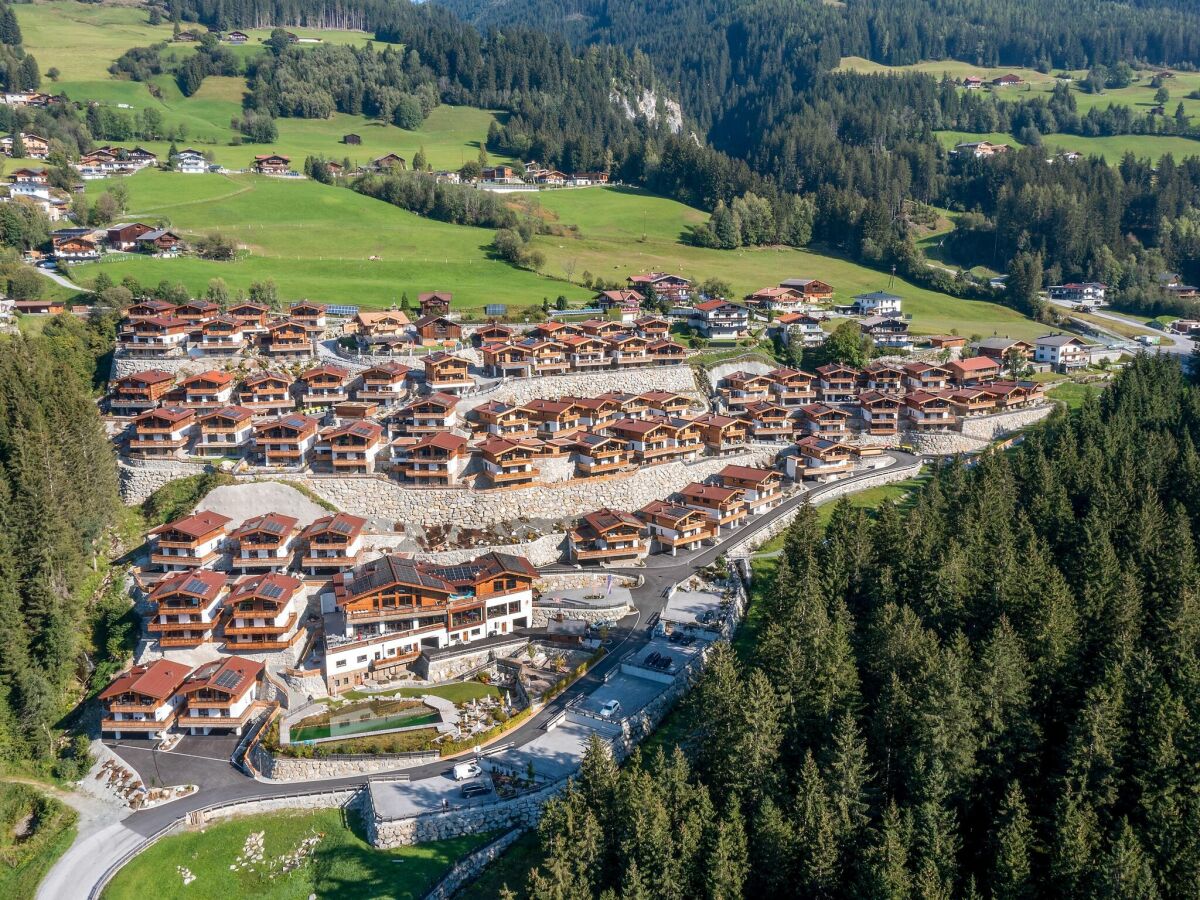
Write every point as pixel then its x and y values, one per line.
pixel 58 504
pixel 993 694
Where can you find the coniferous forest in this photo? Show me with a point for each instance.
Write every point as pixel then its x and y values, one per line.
pixel 58 504
pixel 992 694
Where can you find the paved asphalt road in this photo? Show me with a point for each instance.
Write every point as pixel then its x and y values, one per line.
pixel 205 761
pixel 1167 342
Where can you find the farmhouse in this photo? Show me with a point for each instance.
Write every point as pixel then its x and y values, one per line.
pixel 1090 294
pixel 812 289
pixel 271 164
pixel 876 303
pixel 437 330
pixel 672 288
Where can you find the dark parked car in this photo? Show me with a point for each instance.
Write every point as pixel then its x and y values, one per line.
pixel 475 789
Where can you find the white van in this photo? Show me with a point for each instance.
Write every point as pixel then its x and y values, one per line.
pixel 463 771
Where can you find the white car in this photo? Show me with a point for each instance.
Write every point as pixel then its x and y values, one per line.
pixel 610 709
pixel 463 771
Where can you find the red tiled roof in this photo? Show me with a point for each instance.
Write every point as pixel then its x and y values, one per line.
pixel 159 680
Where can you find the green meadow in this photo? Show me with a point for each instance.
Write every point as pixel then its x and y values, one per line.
pixel 82 40
pixel 316 241
pixel 1139 96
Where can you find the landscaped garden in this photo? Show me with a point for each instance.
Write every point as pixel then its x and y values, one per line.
pixel 364 718
pixel 286 856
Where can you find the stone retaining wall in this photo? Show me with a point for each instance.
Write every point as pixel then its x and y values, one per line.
pixel 542 615
pixel 988 428
pixel 285 768
pixel 520 812
pixel 455 665
pixel 352 798
pixel 381 498
pixel 568 581
pixel 542 551
pixel 676 378
pixel 468 869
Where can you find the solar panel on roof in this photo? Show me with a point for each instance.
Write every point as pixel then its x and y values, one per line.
pixel 272 527
pixel 341 527
pixel 228 679
pixel 338 310
pixel 195 586
pixel 495 309
pixel 273 591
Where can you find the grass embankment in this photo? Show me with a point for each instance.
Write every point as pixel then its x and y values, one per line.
pixel 35 830
pixel 342 865
pixel 458 693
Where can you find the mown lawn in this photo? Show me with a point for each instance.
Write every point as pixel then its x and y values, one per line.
pixel 343 865
pixel 457 693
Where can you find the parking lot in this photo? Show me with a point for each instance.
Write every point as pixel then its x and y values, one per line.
pixel 201 760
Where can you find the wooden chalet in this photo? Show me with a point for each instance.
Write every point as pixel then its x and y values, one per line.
pixel 595 412
pixel 762 489
pixel 664 352
pixel 837 383
pixel 491 333
pixel 972 401
pixel 666 403
pixel 206 390
pixel 191 542
pixel 331 543
pixel 601 328
pixel 546 357
pixel 504 420
pixel 507 462
pixel 607 535
pixel 266 393
pixel 725 506
pixel 823 420
pixel 674 527
pixel 311 315
pixel 287 338
pixel 160 433
pixel 722 433
pixel 372 325
pixel 435 460
pixel 263 613
pixel 253 316
pixel 999 348
pixel 287 440
pixel 265 542
pixel 427 415
pixel 924 411
pixel 351 447
pixel 652 327
pixel 224 431
pixel 324 385
pixel 883 377
pixel 920 376
pixel 880 412
pixel 974 370
pixel 770 421
pixel 143 702
pixel 628 350
pixel 154 336
pixel 383 383
pixel 741 388
pixel 600 454
pixel 221 336
pixel 554 417
pixel 271 164
pixel 672 288
pixel 186 608
pixel 585 353
pixel 124 235
pixel 139 391
pixel 813 290
pixel 448 373
pixel 633 406
pixel 819 459
pixel 433 330
pixel 222 695
pixel 435 303
pixel 148 309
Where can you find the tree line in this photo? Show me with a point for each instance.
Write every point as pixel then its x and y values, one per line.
pixel 989 693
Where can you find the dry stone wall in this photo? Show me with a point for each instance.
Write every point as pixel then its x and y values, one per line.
pixel 988 428
pixel 468 869
pixel 676 378
pixel 380 498
pixel 283 768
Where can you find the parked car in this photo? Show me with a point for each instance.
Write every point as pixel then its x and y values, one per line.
pixel 610 709
pixel 475 789
pixel 466 770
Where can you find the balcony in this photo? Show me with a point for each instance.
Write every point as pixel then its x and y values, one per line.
pixel 137 709
pixel 107 724
pixel 591 361
pixel 391 662
pixel 232 630
pixel 513 476
pixel 583 553
pixel 187 562
pixel 154 626
pixel 602 466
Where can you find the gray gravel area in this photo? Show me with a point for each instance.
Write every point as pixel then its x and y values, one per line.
pixel 241 501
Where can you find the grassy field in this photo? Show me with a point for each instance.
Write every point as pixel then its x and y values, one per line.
pixel 315 240
pixel 623 230
pixel 36 830
pixel 1139 96
pixel 83 39
pixel 343 865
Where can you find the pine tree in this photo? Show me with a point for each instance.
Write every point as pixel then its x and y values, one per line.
pixel 1012 877
pixel 885 874
pixel 1125 872
pixel 727 862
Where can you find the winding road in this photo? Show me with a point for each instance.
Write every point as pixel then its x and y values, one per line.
pixel 97 848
